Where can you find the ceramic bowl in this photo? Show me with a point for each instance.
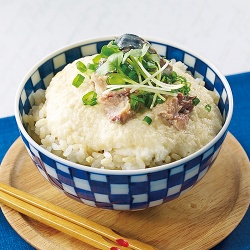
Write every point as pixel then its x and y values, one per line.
pixel 122 189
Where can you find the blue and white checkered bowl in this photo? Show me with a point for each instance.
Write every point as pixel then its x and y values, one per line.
pixel 122 189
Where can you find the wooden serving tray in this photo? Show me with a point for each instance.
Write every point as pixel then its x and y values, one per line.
pixel 199 219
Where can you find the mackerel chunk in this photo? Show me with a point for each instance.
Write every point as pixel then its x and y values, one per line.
pixel 117 105
pixel 175 110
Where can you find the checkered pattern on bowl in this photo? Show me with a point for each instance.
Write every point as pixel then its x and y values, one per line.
pixel 119 189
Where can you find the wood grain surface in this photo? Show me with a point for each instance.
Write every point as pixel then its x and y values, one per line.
pixel 199 219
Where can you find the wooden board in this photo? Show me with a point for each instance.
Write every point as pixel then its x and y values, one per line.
pixel 199 219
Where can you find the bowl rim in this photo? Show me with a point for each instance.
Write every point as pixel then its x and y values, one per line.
pixel 171 165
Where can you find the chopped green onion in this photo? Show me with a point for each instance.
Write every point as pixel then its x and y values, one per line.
pixel 208 107
pixel 97 58
pixel 160 99
pixel 78 80
pixel 93 66
pixel 196 101
pixel 81 66
pixel 90 98
pixel 147 119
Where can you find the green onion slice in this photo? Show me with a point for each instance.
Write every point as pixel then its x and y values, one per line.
pixel 78 80
pixel 196 101
pixel 147 119
pixel 90 98
pixel 208 107
pixel 81 66
pixel 97 58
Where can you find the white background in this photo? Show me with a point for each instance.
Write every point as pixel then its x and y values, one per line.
pixel 219 30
